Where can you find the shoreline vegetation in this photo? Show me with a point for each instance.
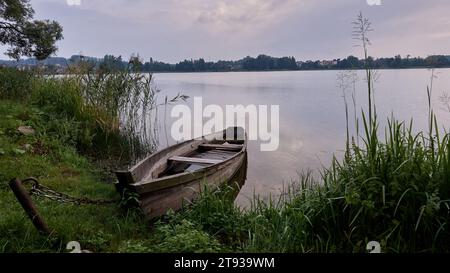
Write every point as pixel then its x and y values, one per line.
pixel 395 191
pixel 392 186
pixel 262 63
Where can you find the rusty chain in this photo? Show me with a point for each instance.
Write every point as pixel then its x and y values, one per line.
pixel 42 191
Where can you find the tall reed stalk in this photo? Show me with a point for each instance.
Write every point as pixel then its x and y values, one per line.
pixel 394 190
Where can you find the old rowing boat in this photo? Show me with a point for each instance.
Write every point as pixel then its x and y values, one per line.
pixel 173 176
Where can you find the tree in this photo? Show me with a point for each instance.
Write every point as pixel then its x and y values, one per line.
pixel 110 63
pixel 397 61
pixel 25 36
pixel 353 62
pixel 135 63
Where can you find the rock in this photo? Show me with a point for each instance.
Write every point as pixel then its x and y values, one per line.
pixel 26 130
pixel 27 147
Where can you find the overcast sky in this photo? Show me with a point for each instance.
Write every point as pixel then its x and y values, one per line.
pixel 173 30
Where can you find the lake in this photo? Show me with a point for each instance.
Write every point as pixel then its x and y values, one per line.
pixel 312 115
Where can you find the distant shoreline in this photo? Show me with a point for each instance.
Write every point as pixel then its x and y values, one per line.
pixel 269 71
pixel 262 63
pixel 297 70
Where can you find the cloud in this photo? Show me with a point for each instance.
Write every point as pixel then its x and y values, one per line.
pixel 238 15
pixel 172 30
pixel 210 15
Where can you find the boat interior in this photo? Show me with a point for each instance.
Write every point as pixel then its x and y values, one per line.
pixel 207 154
pixel 188 156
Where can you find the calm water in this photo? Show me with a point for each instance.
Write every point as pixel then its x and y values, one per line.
pixel 312 117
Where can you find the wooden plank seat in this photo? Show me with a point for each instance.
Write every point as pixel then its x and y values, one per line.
pixel 193 160
pixel 225 147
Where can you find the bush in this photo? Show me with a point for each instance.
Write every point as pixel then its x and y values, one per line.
pixel 102 114
pixel 394 192
pixel 69 117
pixel 15 84
pixel 216 213
pixel 184 237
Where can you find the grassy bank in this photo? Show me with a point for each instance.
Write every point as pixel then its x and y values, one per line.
pixel 61 167
pixel 67 150
pixel 99 228
pixel 393 188
pixel 395 192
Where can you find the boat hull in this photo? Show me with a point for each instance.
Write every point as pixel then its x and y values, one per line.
pixel 158 203
pixel 175 176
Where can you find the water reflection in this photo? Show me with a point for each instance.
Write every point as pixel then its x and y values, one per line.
pixel 238 180
pixel 312 116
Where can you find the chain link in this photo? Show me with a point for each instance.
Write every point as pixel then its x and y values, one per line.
pixel 45 192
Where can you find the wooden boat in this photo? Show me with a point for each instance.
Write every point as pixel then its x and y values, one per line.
pixel 173 176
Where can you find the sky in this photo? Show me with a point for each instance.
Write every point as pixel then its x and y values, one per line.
pixel 174 30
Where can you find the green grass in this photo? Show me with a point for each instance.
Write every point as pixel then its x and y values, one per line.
pixel 394 187
pixel 59 166
pixel 99 228
pixel 15 84
pixel 76 124
pixel 99 113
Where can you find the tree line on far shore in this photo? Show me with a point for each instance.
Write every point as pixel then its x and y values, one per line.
pixel 260 63
pixel 26 37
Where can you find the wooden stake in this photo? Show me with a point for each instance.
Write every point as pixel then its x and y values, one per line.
pixel 27 204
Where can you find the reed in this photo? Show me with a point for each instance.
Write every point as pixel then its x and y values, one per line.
pixel 108 113
pixel 395 191
pixel 391 187
pixel 114 109
pixel 15 84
